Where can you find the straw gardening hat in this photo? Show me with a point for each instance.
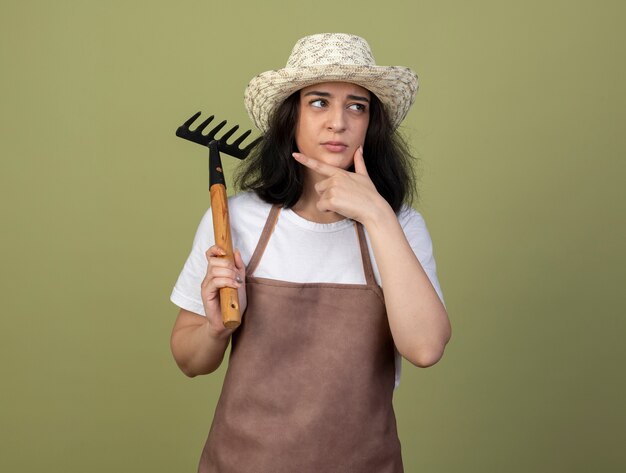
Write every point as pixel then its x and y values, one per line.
pixel 331 57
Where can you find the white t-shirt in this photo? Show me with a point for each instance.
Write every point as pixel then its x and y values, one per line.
pixel 298 250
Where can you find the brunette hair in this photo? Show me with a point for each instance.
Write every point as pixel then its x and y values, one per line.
pixel 277 178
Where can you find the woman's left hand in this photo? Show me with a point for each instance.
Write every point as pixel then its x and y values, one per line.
pixel 351 194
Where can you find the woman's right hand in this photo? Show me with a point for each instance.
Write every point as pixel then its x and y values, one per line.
pixel 222 273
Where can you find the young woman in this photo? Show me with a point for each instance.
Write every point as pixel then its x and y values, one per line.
pixel 334 271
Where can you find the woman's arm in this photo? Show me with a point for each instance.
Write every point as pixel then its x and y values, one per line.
pixel 417 318
pixel 198 343
pixel 196 347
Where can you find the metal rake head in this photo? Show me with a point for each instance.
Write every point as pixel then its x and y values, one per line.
pixel 197 136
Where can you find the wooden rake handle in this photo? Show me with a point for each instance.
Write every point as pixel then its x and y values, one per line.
pixel 229 299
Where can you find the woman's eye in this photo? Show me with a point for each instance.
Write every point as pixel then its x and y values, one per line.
pixel 358 107
pixel 319 103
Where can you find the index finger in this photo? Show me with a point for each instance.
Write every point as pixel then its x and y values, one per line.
pixel 215 250
pixel 317 166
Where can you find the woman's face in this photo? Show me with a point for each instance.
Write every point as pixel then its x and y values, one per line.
pixel 332 121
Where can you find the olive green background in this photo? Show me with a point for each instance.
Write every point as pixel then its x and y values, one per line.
pixel 519 127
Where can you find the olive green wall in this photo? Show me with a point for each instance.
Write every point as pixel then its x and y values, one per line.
pixel 519 125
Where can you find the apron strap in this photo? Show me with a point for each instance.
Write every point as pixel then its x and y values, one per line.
pixel 365 255
pixel 270 223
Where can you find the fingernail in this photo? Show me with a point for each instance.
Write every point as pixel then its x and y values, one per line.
pixel 238 279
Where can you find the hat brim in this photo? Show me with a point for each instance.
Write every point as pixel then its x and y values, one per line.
pixel 395 87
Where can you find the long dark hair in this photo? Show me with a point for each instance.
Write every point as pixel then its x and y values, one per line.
pixel 277 178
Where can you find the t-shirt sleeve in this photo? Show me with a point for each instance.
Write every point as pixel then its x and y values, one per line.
pixel 186 292
pixel 418 237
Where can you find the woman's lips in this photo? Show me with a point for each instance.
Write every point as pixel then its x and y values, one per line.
pixel 335 146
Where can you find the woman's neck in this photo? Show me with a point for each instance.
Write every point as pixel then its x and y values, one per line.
pixel 306 207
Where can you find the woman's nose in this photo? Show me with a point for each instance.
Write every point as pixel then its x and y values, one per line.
pixel 336 120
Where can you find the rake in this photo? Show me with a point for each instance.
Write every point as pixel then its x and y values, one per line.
pixel 229 301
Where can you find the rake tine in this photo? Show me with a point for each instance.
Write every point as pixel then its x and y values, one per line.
pixel 247 149
pixel 192 119
pixel 229 133
pixel 213 132
pixel 203 125
pixel 234 148
pixel 239 140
